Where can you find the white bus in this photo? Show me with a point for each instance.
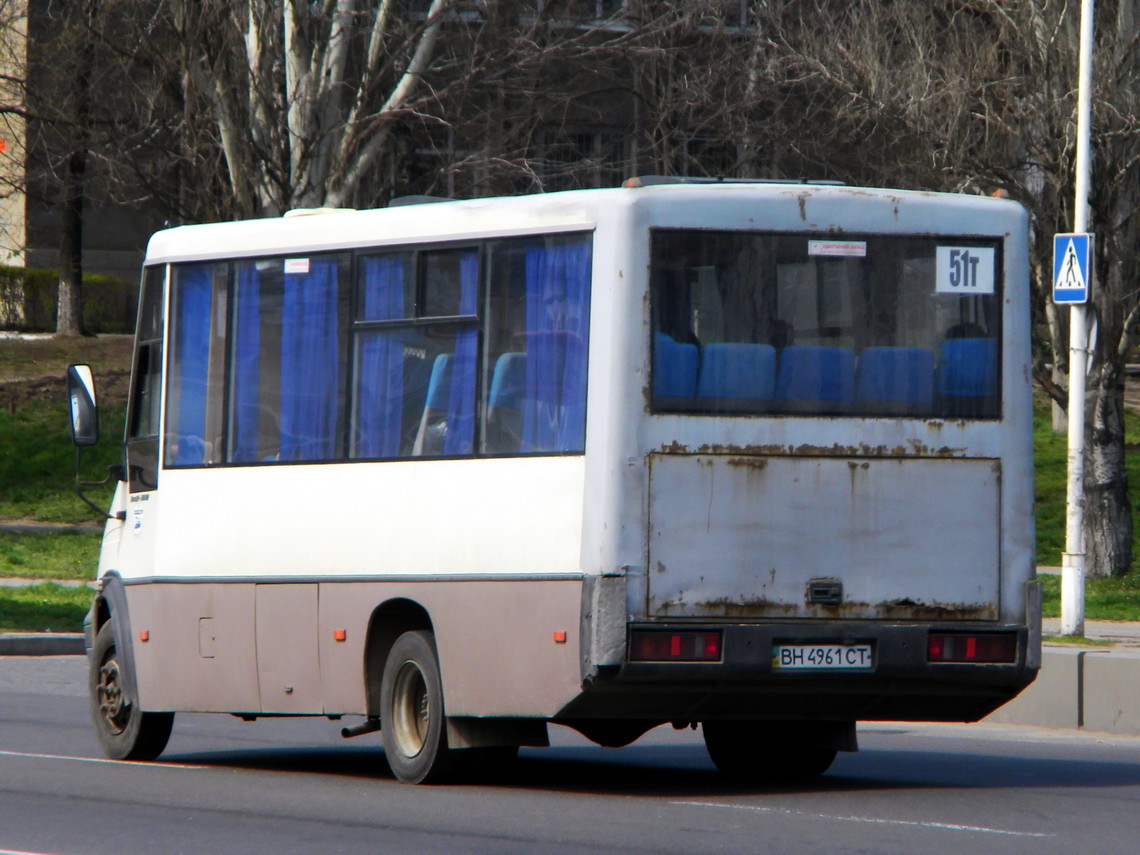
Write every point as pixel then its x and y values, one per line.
pixel 750 455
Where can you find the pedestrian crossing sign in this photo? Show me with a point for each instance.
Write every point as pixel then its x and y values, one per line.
pixel 1072 273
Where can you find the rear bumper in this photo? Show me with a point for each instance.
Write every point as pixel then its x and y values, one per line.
pixel 901 685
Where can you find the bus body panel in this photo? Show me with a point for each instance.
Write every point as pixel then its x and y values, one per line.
pixel 507 647
pixel 727 537
pixel 497 516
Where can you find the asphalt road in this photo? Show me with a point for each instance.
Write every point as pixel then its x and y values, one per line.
pixel 294 786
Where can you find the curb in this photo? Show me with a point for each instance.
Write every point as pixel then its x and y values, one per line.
pixel 1092 689
pixel 33 527
pixel 42 644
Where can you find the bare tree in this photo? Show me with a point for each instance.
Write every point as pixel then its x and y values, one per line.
pixel 75 125
pixel 980 95
pixel 337 102
pixel 303 97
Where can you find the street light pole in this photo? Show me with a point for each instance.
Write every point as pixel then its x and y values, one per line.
pixel 1073 561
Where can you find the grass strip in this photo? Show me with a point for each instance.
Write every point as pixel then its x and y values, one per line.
pixel 46 607
pixel 1079 640
pixel 54 555
pixel 1117 598
pixel 37 466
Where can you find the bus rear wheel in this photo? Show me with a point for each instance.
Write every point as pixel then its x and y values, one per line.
pixel 765 752
pixel 411 711
pixel 124 731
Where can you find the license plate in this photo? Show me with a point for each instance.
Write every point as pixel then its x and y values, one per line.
pixel 828 657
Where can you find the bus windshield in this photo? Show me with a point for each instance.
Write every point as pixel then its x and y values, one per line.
pixel 871 325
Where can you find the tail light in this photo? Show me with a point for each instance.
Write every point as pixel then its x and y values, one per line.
pixel 651 645
pixel 992 647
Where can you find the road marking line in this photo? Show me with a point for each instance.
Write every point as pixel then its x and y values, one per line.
pixel 20 852
pixel 96 760
pixel 871 820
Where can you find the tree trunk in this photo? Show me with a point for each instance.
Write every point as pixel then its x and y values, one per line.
pixel 69 320
pixel 1108 510
pixel 1060 417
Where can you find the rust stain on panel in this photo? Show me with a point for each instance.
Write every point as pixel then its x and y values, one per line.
pixel 756 464
pixel 913 449
pixel 902 610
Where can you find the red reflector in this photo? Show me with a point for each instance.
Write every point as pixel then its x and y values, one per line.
pixel 646 645
pixel 972 647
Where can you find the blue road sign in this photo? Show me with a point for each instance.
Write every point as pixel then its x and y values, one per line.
pixel 1072 275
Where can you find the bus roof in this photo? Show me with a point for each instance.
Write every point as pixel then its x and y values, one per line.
pixel 793 205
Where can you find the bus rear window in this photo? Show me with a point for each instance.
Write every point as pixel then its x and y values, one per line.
pixel 872 325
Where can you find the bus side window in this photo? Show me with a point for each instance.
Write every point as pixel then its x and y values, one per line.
pixel 289 359
pixel 538 338
pixel 196 370
pixel 416 343
pixel 143 419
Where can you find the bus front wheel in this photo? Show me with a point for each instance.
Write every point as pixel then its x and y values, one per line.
pixel 762 751
pixel 411 711
pixel 124 731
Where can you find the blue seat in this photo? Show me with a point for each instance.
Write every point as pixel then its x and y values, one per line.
pixel 736 370
pixel 439 386
pixel 816 377
pixel 433 424
pixel 674 367
pixel 968 367
pixel 508 381
pixel 504 404
pixel 895 375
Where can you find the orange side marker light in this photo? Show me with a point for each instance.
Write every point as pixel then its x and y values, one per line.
pixel 144 635
pixel 340 635
pixel 560 636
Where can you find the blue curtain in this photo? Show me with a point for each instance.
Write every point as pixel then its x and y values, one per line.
pixel 186 418
pixel 380 369
pixel 460 437
pixel 310 363
pixel 558 325
pixel 247 365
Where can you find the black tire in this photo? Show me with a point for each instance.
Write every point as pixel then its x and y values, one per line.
pixel 124 731
pixel 765 752
pixel 411 710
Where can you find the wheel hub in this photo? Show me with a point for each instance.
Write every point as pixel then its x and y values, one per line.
pixel 109 693
pixel 412 709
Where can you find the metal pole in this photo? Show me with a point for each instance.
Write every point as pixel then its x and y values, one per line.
pixel 1073 562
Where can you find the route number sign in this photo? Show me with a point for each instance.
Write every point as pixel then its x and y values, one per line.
pixel 964 270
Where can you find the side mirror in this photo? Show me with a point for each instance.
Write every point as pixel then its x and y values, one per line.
pixel 85 431
pixel 84 413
